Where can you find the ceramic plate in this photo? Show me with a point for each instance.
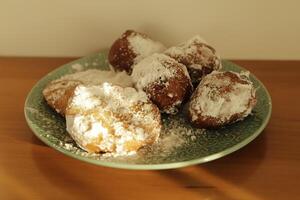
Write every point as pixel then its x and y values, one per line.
pixel 192 146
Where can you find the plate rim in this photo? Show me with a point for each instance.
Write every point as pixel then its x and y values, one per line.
pixel 163 166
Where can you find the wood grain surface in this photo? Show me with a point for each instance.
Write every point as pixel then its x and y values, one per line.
pixel 267 168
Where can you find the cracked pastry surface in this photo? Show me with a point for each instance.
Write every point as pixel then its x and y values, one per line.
pixel 109 118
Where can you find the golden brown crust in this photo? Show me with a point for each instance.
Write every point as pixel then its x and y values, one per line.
pixel 200 61
pixel 120 55
pixel 131 48
pixel 165 81
pixel 169 95
pixel 58 93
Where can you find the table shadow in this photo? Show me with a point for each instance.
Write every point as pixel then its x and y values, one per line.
pixel 233 169
pixel 240 165
pixel 76 178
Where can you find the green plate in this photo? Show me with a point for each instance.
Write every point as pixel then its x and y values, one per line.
pixel 196 145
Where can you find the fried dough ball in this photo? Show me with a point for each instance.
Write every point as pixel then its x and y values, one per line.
pixel 131 48
pixel 199 58
pixel 221 98
pixel 166 82
pixel 58 92
pixel 109 118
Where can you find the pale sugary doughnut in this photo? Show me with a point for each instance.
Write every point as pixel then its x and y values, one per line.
pixel 58 92
pixel 109 118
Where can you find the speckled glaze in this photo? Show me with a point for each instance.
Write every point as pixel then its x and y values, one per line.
pixel 209 145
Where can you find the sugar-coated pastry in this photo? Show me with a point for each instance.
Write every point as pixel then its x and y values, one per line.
pixel 199 58
pixel 58 92
pixel 131 48
pixel 165 81
pixel 110 118
pixel 221 98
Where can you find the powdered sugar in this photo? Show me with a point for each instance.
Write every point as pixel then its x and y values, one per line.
pixel 176 134
pixel 210 101
pixel 143 46
pixel 111 119
pixel 113 96
pixel 77 67
pixel 152 69
pixel 187 47
pixel 195 53
pixel 95 77
pixel 56 90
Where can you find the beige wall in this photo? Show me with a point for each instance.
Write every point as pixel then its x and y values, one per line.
pixel 249 29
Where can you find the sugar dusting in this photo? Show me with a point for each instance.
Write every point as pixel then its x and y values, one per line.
pixel 210 101
pixel 186 48
pixel 58 88
pixel 175 135
pixel 143 46
pixel 195 53
pixel 77 67
pixel 96 76
pixel 152 69
pixel 110 118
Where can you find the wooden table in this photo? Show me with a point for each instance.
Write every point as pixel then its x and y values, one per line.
pixel 267 168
